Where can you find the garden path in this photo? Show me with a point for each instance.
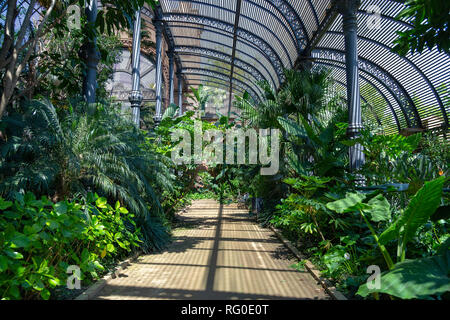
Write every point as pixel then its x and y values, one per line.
pixel 218 253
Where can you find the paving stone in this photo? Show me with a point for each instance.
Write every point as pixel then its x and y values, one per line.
pixel 220 253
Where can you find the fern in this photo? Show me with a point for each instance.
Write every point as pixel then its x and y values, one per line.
pixel 85 149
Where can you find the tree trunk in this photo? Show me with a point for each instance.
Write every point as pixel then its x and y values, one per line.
pixel 16 49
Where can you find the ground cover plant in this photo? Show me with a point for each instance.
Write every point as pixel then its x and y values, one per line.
pixel 41 239
pixel 398 222
pixel 83 185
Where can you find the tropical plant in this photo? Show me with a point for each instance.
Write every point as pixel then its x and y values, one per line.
pixel 40 239
pixel 342 260
pixel 304 211
pixel 91 148
pixel 59 71
pixel 430 21
pixel 200 96
pixel 419 278
pixel 315 148
pixel 402 277
pixel 21 37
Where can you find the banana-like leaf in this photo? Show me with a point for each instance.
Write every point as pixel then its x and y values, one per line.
pixel 415 279
pixel 171 111
pixel 348 204
pixel 310 131
pixel 418 212
pixel 296 165
pixel 292 128
pixel 380 209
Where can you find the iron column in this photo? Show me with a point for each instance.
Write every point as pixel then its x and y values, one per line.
pixel 348 9
pixel 158 29
pixel 135 96
pixel 171 75
pixel 180 93
pixel 92 56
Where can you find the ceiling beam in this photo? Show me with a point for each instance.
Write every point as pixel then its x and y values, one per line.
pixel 233 54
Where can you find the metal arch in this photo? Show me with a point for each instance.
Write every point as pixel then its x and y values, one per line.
pixel 254 87
pixel 394 113
pixel 246 54
pixel 254 21
pixel 330 16
pixel 413 65
pixel 294 21
pixel 235 85
pixel 404 23
pixel 214 54
pixel 216 59
pixel 218 75
pixel 256 74
pixel 365 100
pixel 298 38
pixel 405 101
pixel 374 86
pixel 313 9
pixel 212 65
pixel 251 45
pixel 244 42
pixel 223 76
pixel 362 98
pixel 222 85
pixel 274 58
pixel 147 12
pixel 333 64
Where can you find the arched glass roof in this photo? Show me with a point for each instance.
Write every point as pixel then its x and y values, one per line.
pixel 241 42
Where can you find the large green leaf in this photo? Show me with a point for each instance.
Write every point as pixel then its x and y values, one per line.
pixel 19 240
pixel 3 263
pixel 292 128
pixel 347 204
pixel 171 111
pixel 296 165
pixel 310 131
pixel 417 278
pixel 380 209
pixel 418 212
pixel 5 204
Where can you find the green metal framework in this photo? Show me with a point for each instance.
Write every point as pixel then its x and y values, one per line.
pixel 245 41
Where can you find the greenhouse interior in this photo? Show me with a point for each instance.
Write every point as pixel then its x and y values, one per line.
pixel 224 150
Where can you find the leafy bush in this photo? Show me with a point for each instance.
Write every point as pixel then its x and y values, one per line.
pixel 87 148
pixel 304 212
pixel 342 260
pixel 406 278
pixel 39 240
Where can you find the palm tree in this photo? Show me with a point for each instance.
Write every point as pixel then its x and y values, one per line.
pixel 200 96
pixel 89 149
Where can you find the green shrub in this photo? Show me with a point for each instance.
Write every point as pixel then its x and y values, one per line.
pixel 40 239
pixel 86 148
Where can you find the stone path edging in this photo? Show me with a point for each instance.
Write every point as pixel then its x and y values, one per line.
pixel 326 284
pixel 94 289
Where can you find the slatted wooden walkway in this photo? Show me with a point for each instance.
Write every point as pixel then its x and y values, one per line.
pixel 218 254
